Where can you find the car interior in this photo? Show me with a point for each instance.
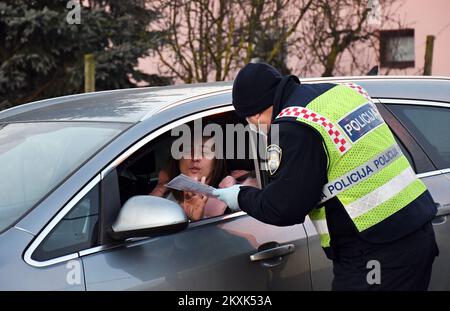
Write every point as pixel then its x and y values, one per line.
pixel 138 174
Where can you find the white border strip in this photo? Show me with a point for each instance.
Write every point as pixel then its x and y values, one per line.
pixel 42 235
pixel 413 102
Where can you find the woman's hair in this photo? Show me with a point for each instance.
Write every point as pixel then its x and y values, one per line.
pixel 218 173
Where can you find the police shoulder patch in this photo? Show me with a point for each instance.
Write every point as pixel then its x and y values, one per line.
pixel 273 158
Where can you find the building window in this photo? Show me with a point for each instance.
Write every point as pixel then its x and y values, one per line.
pixel 397 48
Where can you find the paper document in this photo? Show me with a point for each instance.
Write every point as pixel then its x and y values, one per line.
pixel 185 183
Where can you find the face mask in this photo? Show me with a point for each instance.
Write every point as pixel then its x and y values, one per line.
pixel 256 129
pixel 260 131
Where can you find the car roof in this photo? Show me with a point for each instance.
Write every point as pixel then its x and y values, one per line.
pixel 124 105
pixel 136 104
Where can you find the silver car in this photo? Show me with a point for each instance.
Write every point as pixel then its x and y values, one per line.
pixel 76 170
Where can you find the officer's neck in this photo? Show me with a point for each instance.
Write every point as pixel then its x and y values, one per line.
pixel 279 102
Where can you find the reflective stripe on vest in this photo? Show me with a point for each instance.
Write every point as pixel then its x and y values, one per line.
pixel 361 173
pixel 321 226
pixel 319 221
pixel 381 194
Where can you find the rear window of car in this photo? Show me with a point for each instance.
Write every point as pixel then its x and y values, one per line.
pixel 430 126
pixel 36 157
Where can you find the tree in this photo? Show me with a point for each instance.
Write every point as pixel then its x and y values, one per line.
pixel 208 40
pixel 333 30
pixel 41 54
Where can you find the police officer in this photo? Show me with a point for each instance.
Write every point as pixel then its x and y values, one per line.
pixel 337 161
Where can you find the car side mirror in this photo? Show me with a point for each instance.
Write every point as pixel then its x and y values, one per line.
pixel 144 215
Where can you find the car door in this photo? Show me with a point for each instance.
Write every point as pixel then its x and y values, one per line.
pixel 428 124
pixel 52 257
pixel 211 254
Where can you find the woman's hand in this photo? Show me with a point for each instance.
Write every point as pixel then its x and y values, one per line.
pixel 160 189
pixel 228 182
pixel 194 204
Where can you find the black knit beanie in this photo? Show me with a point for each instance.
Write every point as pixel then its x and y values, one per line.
pixel 254 88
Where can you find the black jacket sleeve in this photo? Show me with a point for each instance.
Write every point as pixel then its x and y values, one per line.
pixel 296 187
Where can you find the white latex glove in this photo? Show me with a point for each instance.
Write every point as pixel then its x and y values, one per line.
pixel 229 196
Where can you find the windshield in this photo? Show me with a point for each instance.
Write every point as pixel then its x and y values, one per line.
pixel 35 157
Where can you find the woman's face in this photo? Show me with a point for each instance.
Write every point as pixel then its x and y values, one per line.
pixel 200 162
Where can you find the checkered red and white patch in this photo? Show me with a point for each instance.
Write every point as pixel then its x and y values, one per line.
pixel 358 89
pixel 333 131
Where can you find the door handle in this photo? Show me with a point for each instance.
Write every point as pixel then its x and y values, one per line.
pixel 273 252
pixel 442 209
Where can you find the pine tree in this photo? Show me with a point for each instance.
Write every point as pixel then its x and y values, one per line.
pixel 41 54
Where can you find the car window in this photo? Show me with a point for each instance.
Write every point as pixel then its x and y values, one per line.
pixel 36 157
pixel 78 230
pixel 153 165
pixel 430 126
pixel 138 174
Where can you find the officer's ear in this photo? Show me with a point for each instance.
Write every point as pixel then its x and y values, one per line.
pixel 254 118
